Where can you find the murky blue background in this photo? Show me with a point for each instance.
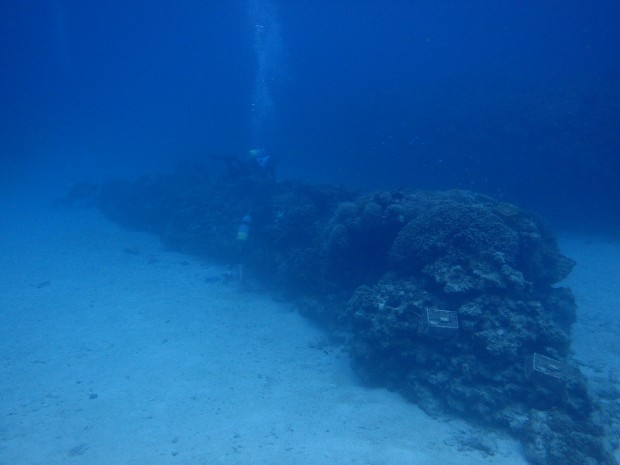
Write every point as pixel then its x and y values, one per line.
pixel 516 99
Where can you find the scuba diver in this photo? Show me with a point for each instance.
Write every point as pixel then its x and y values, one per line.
pixel 251 176
pixel 254 162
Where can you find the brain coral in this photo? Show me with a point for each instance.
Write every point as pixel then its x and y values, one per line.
pixel 453 230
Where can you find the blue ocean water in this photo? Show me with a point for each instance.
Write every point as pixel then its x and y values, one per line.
pixel 519 100
pixel 516 99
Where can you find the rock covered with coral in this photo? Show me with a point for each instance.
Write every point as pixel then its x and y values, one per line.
pixel 451 298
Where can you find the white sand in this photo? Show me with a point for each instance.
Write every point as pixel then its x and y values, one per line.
pixel 595 281
pixel 182 371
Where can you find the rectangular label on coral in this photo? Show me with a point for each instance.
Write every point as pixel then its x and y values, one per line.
pixel 441 319
pixel 541 364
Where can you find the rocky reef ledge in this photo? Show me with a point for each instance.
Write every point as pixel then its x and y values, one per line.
pixel 447 297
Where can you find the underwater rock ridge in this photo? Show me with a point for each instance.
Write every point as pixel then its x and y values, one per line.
pixel 450 298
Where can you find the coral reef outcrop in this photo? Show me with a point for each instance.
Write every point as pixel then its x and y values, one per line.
pixel 450 298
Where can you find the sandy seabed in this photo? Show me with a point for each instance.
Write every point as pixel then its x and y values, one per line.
pixel 114 350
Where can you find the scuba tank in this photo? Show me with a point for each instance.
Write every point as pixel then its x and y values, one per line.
pixel 242 235
pixel 244 228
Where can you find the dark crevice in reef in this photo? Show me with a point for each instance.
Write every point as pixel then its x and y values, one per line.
pixel 449 297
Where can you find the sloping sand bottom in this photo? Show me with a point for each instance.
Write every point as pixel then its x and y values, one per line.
pixel 595 281
pixel 115 351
